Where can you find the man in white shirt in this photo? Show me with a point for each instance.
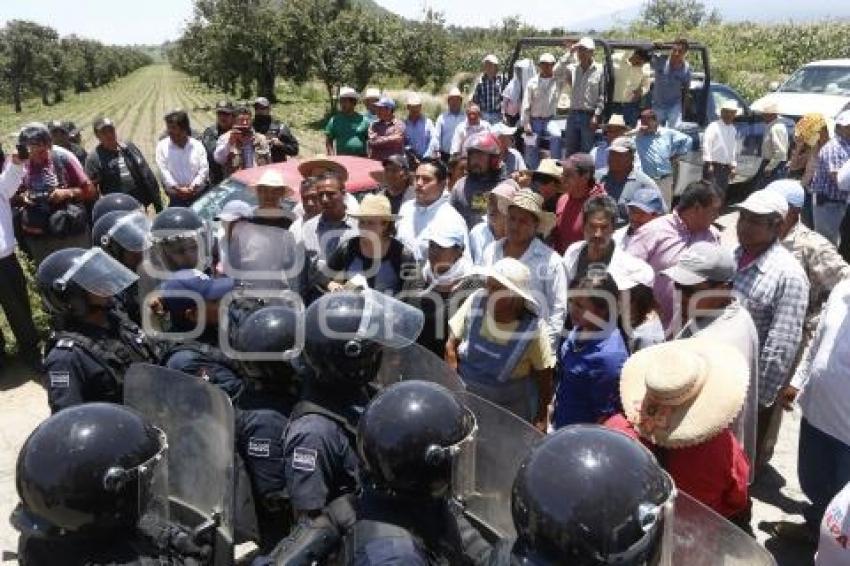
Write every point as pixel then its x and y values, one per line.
pixel 13 291
pixel 631 83
pixel 472 125
pixel 431 207
pixel 719 147
pixel 540 103
pixel 182 161
pixel 447 123
pixel 774 148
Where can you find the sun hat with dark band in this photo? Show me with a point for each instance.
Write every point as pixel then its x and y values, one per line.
pixel 532 202
pixel 684 392
pixel 375 206
pixel 321 164
pixel 514 276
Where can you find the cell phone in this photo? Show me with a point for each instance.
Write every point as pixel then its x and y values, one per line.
pixel 23 151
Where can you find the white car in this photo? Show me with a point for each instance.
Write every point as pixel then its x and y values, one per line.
pixel 820 86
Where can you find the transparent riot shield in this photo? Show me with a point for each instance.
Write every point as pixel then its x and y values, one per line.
pixel 415 362
pixel 198 421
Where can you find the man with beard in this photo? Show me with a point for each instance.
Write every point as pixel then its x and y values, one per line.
pixel 483 173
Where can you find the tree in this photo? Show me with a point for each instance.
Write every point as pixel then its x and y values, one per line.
pixel 428 61
pixel 27 47
pixel 687 14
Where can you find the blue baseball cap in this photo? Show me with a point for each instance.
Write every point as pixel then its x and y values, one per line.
pixel 385 102
pixel 791 189
pixel 193 281
pixel 648 199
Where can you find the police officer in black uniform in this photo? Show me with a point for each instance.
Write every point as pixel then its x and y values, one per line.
pixel 92 344
pixel 408 439
pixel 588 495
pixel 281 140
pixel 124 236
pixel 114 202
pixel 85 477
pixel 224 115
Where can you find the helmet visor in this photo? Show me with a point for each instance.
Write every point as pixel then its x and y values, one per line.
pixel 130 232
pixel 97 273
pixel 388 321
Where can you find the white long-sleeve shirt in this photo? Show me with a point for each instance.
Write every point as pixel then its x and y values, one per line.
pixel 185 166
pixel 444 132
pixel 10 180
pixel 416 223
pixel 774 146
pixel 720 143
pixel 548 282
pixel 464 130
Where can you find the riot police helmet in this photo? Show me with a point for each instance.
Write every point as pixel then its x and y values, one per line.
pixel 346 331
pixel 119 231
pixel 592 496
pixel 67 277
pixel 268 338
pixel 112 202
pixel 90 468
pixel 181 239
pixel 410 435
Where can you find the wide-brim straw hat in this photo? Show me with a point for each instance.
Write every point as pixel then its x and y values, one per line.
pixel 527 199
pixel 514 276
pixel 318 165
pixel 684 392
pixel 275 180
pixel 375 206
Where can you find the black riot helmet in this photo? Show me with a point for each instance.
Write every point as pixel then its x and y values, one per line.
pixel 90 468
pixel 344 333
pixel 268 338
pixel 66 277
pixel 409 437
pixel 120 231
pixel 112 202
pixel 587 495
pixel 180 239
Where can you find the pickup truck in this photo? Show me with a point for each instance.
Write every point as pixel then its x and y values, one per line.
pixel 819 86
pixel 700 106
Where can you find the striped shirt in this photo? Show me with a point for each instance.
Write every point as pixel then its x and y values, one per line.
pixel 488 94
pixel 775 291
pixel 832 156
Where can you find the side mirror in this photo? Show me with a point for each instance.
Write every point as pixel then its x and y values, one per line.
pixel 774 85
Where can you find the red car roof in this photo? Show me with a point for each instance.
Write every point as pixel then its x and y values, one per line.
pixel 360 172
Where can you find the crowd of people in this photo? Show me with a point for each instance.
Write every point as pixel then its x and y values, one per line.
pixel 564 283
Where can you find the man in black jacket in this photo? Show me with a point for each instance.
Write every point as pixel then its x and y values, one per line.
pixel 120 167
pixel 281 140
pixel 224 116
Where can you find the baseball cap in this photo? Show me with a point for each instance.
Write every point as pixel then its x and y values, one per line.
pixel 55 125
pixel 765 202
pixel 192 281
pixel 843 119
pixel 490 58
pixel 398 160
pixel 628 272
pixel 385 102
pixel 622 145
pixel 372 93
pixel 224 106
pixel 703 262
pixel 586 43
pixel 790 189
pixel 101 123
pixel 262 102
pixel 414 100
pixel 348 92
pixel 648 199
pixel 447 235
pixel 547 58
pixel 502 129
pixel 578 160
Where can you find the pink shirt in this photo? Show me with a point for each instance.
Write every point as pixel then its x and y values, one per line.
pixel 660 243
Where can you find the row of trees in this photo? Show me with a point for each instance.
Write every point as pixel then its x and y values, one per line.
pixel 34 60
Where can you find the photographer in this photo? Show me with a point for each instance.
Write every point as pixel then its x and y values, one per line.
pixel 52 195
pixel 242 147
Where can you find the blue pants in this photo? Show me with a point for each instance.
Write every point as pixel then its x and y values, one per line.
pixel 578 135
pixel 629 110
pixel 669 116
pixel 823 467
pixel 532 152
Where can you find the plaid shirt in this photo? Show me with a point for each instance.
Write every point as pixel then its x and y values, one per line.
pixel 488 94
pixel 832 156
pixel 775 291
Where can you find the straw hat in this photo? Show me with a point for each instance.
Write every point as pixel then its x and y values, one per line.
pixel 274 179
pixel 375 206
pixel 322 164
pixel 514 276
pixel 527 199
pixel 616 121
pixel 684 392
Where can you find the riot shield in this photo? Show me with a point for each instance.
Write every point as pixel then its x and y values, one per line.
pixel 198 421
pixel 415 362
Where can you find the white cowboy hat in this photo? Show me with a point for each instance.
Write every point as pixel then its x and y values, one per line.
pixel 616 120
pixel 527 199
pixel 684 392
pixel 274 179
pixel 322 164
pixel 514 276
pixel 375 206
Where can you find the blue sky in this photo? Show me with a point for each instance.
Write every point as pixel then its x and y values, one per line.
pixel 154 21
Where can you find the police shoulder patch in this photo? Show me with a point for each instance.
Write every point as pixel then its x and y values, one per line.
pixel 60 379
pixel 65 343
pixel 304 459
pixel 259 447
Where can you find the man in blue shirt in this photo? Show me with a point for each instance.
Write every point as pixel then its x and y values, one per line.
pixel 418 129
pixel 658 148
pixel 672 79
